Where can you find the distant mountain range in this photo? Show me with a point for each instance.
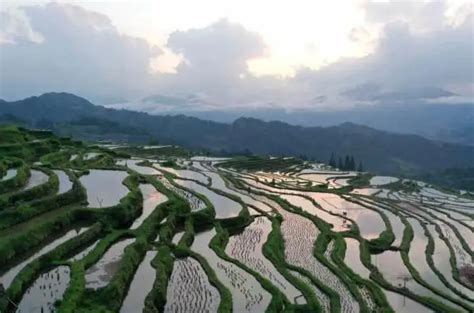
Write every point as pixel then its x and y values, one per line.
pixel 450 122
pixel 380 151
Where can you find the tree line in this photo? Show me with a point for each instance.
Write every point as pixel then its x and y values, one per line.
pixel 349 163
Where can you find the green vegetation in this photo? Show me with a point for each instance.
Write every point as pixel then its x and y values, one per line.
pixel 31 219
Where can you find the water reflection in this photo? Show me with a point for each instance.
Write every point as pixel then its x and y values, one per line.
pixel 65 184
pixel 141 285
pixel 104 187
pixel 8 277
pixel 100 274
pixel 223 206
pixel 151 199
pixel 45 291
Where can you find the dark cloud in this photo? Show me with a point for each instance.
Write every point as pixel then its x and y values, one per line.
pixel 363 92
pixel 80 51
pixel 414 94
pixel 214 60
pixel 373 92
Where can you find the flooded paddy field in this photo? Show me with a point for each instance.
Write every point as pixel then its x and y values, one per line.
pixel 369 222
pixel 104 188
pixel 100 274
pixel 11 172
pixel 151 199
pixel 391 266
pixel 45 291
pixel 300 235
pixel 37 178
pixel 247 293
pixel 194 202
pixel 189 289
pixel 224 207
pixel 145 170
pixel 65 183
pixel 141 285
pixel 316 238
pixel 7 278
pixel 247 248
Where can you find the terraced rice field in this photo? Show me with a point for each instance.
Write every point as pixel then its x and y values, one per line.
pixel 104 188
pixel 189 289
pixel 247 293
pixel 224 206
pixel 100 274
pixel 90 229
pixel 247 248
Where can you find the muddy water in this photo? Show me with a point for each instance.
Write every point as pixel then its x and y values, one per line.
pixel 247 293
pixel 8 277
pixel 141 285
pixel 101 273
pixel 151 199
pixel 104 187
pixel 45 291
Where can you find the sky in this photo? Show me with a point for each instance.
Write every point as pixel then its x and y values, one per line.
pixel 160 56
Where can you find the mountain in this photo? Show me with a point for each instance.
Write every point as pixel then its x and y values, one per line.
pixel 380 151
pixel 438 121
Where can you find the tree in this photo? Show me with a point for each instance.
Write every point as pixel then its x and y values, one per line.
pixel 352 165
pixel 346 163
pixel 360 168
pixel 340 165
pixel 332 160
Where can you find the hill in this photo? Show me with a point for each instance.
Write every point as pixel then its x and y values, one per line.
pixel 380 151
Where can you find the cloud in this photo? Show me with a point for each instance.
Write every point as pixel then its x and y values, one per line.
pixel 214 61
pixel 373 92
pixel 419 55
pixel 15 27
pixel 80 51
pixel 405 66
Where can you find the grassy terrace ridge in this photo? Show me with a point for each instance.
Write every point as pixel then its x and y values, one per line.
pixel 35 220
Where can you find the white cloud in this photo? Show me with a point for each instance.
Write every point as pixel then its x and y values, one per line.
pixel 15 27
pixel 80 51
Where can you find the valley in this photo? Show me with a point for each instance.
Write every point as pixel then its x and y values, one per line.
pixel 87 227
